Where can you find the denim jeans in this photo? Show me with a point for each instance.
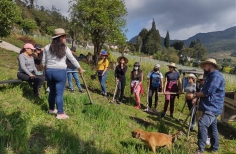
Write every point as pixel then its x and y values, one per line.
pixel 76 77
pixel 56 80
pixel 102 80
pixel 208 122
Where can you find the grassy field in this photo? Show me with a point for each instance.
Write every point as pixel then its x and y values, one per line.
pixel 26 127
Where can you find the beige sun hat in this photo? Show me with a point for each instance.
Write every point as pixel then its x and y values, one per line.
pixel 58 32
pixel 172 65
pixel 200 77
pixel 191 76
pixel 210 61
pixel 157 66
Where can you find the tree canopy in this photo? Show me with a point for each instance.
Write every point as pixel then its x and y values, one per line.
pixel 10 14
pixel 167 40
pixel 101 20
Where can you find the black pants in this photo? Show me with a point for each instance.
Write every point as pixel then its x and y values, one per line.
pixel 36 82
pixel 153 90
pixel 120 89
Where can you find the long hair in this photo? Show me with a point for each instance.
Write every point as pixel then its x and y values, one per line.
pixel 58 48
pixel 22 50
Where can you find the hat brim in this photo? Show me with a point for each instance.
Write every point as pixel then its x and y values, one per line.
pixel 191 77
pixel 208 62
pixel 171 66
pixel 56 36
pixel 122 57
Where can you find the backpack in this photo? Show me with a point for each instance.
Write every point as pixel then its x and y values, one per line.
pixel 155 79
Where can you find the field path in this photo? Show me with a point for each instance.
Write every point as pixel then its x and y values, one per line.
pixel 9 46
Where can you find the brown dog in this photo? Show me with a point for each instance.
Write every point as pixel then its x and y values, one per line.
pixel 155 139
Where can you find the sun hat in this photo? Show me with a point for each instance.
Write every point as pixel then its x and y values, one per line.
pixel 200 77
pixel 191 76
pixel 172 65
pixel 157 66
pixel 210 61
pixel 104 53
pixel 38 46
pixel 73 49
pixel 136 64
pixel 29 46
pixel 122 57
pixel 58 32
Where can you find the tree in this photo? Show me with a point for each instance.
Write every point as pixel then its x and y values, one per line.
pixel 10 14
pixel 102 20
pixel 178 45
pixel 152 41
pixel 28 25
pixel 167 40
pixel 50 30
pixel 142 34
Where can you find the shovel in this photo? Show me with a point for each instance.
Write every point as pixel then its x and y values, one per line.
pixel 91 102
pixel 113 98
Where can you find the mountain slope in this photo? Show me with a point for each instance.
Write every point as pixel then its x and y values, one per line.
pixel 214 41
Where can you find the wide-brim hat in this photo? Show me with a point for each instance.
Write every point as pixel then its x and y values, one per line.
pixel 200 77
pixel 58 32
pixel 157 66
pixel 191 76
pixel 210 61
pixel 122 57
pixel 171 65
pixel 104 53
pixel 136 64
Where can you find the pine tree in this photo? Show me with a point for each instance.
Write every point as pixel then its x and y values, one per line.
pixel 167 40
pixel 152 41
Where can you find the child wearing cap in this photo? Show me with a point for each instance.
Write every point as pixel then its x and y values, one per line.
pixel 27 70
pixel 155 84
pixel 190 89
pixel 102 67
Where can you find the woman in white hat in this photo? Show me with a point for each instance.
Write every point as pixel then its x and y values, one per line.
pixel 120 72
pixel 172 84
pixel 54 60
pixel 190 89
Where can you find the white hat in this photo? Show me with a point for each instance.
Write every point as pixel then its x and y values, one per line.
pixel 157 66
pixel 58 32
pixel 210 61
pixel 191 76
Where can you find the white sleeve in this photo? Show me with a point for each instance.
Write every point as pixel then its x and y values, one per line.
pixel 149 75
pixel 72 58
pixel 161 76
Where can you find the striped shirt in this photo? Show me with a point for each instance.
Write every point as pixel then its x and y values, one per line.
pixel 214 90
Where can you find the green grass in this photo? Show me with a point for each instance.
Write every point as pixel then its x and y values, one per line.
pixel 26 127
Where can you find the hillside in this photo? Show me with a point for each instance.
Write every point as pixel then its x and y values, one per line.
pixel 214 41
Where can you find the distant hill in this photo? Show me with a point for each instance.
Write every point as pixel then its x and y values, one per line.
pixel 214 41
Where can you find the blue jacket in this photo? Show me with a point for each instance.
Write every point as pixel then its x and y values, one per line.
pixel 214 90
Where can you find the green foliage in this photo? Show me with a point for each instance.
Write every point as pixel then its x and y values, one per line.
pixel 110 57
pixel 167 40
pixel 227 69
pixel 50 30
pixel 152 41
pixel 28 25
pixel 10 14
pixel 101 20
pixel 178 45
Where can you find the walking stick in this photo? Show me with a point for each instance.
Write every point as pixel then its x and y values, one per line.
pixel 147 97
pixel 91 102
pixel 182 110
pixel 191 118
pixel 113 98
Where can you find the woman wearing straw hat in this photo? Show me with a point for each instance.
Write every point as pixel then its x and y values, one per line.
pixel 190 89
pixel 172 81
pixel 136 83
pixel 54 60
pixel 211 104
pixel 120 72
pixel 103 64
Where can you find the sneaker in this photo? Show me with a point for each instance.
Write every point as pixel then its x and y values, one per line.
pixel 117 102
pixel 208 141
pixel 48 90
pixel 198 152
pixel 81 91
pixel 52 111
pixel 163 115
pixel 72 91
pixel 147 110
pixel 171 116
pixel 62 116
pixel 137 107
pixel 154 110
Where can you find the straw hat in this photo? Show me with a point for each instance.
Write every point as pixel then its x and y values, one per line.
pixel 200 77
pixel 122 57
pixel 210 61
pixel 58 32
pixel 172 65
pixel 191 76
pixel 157 66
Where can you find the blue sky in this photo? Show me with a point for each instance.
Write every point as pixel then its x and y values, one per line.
pixel 182 18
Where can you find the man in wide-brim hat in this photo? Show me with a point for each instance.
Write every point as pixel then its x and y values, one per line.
pixel 211 104
pixel 171 65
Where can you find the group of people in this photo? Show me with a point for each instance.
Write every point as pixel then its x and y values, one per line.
pixel 56 62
